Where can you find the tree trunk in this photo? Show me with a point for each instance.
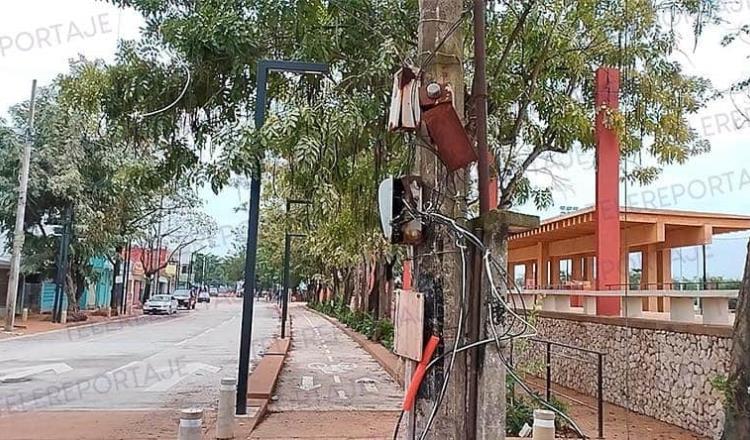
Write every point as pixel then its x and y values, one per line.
pixel 116 292
pixel 373 301
pixel 146 288
pixel 737 407
pixel 389 290
pixel 438 276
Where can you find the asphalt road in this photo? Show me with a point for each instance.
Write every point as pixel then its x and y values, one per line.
pixel 146 363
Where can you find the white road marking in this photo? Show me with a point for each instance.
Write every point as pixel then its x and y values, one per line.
pixel 204 332
pixel 308 383
pixel 124 367
pixel 151 323
pixel 32 403
pixel 336 379
pixel 333 368
pixel 369 384
pixel 174 379
pixel 15 374
pixel 309 322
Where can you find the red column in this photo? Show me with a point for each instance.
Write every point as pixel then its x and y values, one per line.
pixel 406 281
pixel 607 191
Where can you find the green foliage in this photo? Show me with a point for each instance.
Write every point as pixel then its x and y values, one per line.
pixel 722 384
pixel 325 140
pixel 219 271
pixel 520 409
pixel 114 185
pixel 378 330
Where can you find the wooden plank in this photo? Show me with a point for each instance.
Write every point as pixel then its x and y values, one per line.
pixel 409 324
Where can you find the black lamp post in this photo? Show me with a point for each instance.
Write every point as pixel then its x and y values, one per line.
pixel 287 251
pixel 264 67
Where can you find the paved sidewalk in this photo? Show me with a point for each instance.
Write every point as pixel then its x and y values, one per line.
pixel 326 371
pixel 330 387
pixel 41 324
pixel 619 423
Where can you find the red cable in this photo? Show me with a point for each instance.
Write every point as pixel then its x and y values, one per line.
pixel 416 379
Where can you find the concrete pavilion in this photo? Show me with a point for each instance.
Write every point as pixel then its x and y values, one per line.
pixel 598 240
pixel 653 233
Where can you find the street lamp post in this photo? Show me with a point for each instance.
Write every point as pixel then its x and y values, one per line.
pixel 285 293
pixel 287 251
pixel 264 67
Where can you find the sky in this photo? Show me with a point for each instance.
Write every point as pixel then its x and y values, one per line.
pixel 39 37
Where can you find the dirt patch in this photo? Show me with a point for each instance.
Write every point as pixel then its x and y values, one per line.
pixel 329 425
pixel 97 425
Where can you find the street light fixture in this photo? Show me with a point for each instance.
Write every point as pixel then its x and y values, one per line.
pixel 287 250
pixel 264 67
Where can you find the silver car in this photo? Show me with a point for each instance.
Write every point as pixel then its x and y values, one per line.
pixel 160 304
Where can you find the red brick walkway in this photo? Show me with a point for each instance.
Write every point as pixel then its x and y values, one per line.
pixel 619 423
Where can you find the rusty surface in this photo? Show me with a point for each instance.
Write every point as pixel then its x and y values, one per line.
pixel 452 143
pixel 446 96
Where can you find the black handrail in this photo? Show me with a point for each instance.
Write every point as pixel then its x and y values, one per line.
pixel 548 374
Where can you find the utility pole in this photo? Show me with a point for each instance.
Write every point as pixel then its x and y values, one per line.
pixel 18 238
pixel 486 387
pixel 158 248
pixel 62 264
pixel 126 277
pixel 437 264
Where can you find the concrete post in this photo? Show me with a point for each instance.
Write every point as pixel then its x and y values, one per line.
pixel 63 317
pixel 542 259
pixel 191 422
pixel 607 214
pixel 491 378
pixel 225 416
pixel 25 315
pixel 554 273
pixel 439 276
pixel 544 425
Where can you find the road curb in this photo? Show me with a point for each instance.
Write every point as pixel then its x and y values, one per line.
pixel 389 361
pixel 264 377
pixel 75 326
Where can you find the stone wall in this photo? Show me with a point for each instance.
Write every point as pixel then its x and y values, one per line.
pixel 655 368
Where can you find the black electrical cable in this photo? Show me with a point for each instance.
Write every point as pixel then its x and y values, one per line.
pixel 398 424
pixel 463 234
pixel 457 338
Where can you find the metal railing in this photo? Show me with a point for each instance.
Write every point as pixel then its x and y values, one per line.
pixel 548 373
pixel 678 285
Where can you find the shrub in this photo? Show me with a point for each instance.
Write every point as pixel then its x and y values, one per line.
pixel 519 409
pixel 378 330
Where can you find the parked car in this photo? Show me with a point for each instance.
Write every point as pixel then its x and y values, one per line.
pixel 185 298
pixel 203 296
pixel 213 291
pixel 160 304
